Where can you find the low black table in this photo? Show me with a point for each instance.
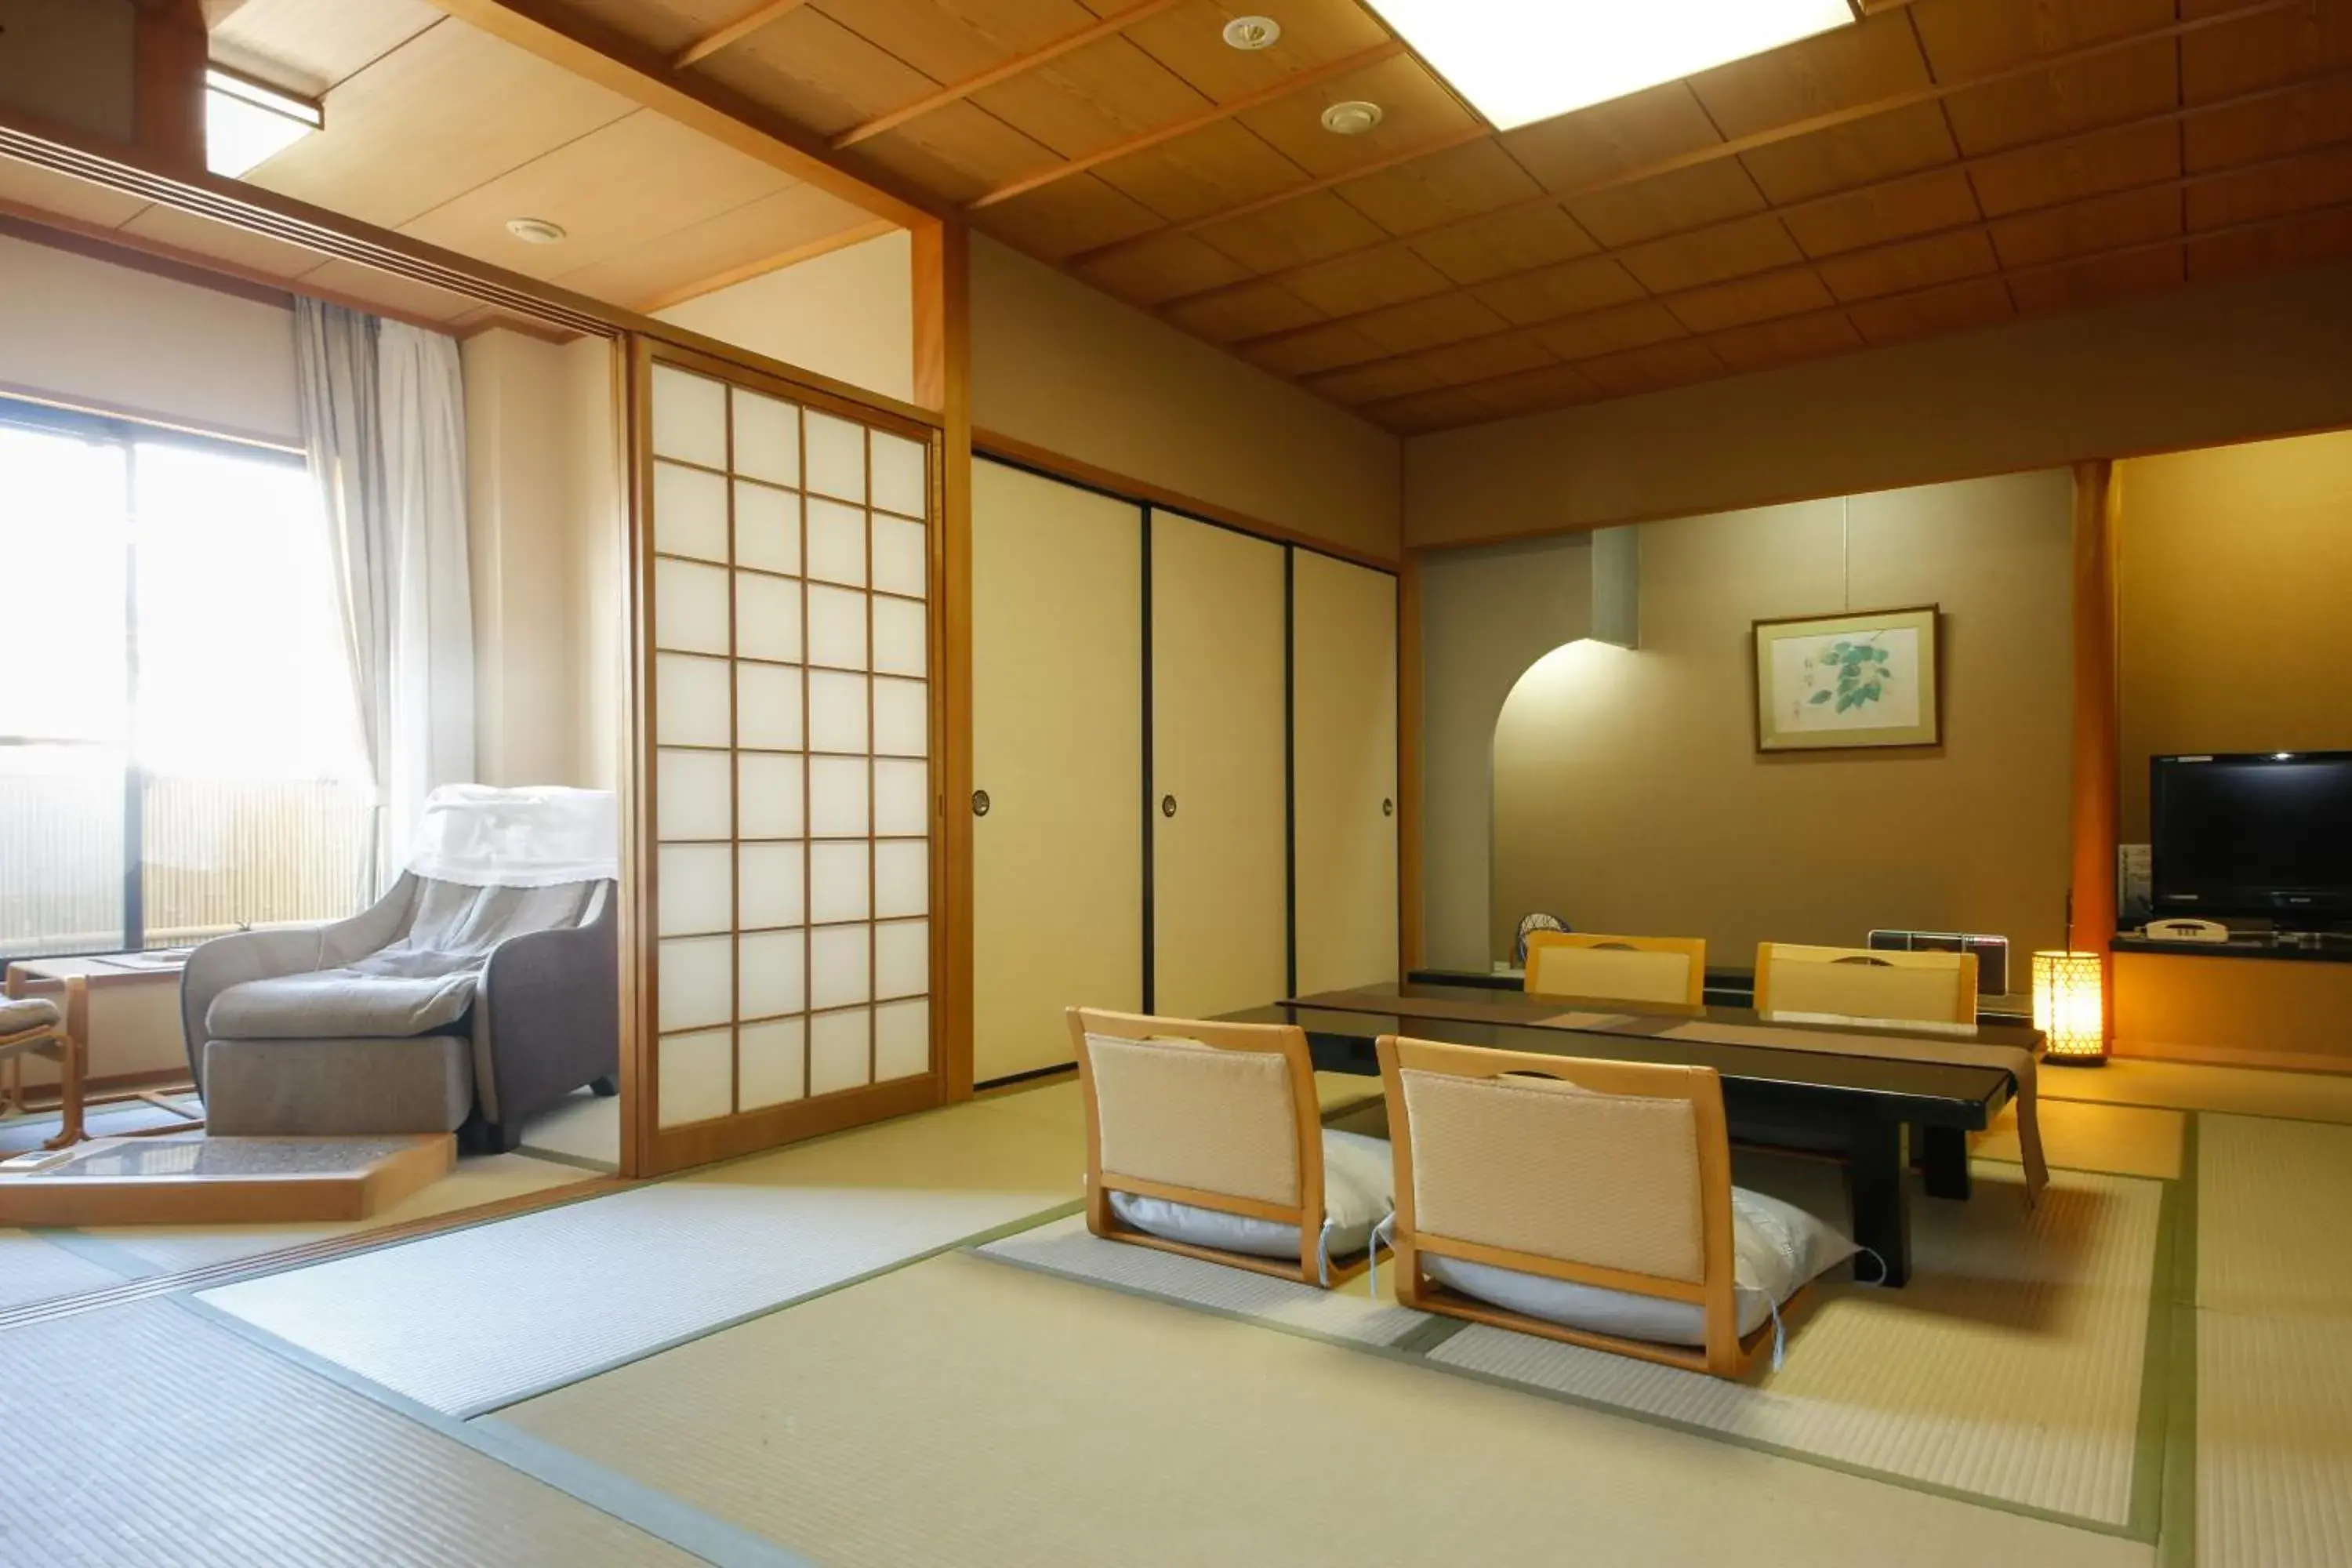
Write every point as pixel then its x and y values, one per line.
pixel 1854 1108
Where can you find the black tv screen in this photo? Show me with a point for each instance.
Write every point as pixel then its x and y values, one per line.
pixel 2262 833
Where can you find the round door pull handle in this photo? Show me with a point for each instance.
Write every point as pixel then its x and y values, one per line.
pixel 1167 806
pixel 1387 808
pixel 980 803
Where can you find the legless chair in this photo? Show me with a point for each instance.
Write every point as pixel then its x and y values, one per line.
pixel 1621 968
pixel 1603 1186
pixel 36 1027
pixel 1826 984
pixel 1212 1130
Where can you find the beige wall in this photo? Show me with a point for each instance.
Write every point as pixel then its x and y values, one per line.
pixel 2189 367
pixel 1064 367
pixel 544 523
pixel 2235 581
pixel 849 314
pixel 127 341
pixel 1629 795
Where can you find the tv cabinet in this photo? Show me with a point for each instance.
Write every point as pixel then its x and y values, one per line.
pixel 2238 1004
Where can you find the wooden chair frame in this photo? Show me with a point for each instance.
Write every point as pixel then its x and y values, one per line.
pixel 1725 1353
pixel 63 1043
pixel 1964 999
pixel 1285 1040
pixel 1691 947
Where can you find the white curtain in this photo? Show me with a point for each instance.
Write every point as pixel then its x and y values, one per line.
pixel 383 421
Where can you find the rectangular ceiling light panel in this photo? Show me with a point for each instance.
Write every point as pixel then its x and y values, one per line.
pixel 1518 61
pixel 248 123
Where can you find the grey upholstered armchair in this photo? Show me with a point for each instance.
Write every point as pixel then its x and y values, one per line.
pixel 467 1000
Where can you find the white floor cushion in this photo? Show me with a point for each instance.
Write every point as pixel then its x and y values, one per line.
pixel 1358 1177
pixel 1780 1247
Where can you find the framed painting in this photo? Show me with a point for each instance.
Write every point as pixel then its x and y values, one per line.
pixel 1826 682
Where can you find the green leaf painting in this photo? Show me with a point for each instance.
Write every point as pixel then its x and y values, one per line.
pixel 1860 671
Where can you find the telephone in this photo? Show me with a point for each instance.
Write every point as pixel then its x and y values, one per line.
pixel 2185 931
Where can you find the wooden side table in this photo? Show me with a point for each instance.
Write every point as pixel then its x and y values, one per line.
pixel 113 1002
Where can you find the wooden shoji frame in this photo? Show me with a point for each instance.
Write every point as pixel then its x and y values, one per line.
pixel 737 1131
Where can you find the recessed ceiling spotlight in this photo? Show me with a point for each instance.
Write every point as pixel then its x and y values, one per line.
pixel 1353 118
pixel 536 230
pixel 1253 32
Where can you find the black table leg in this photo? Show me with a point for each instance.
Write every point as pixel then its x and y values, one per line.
pixel 1874 1180
pixel 1944 1158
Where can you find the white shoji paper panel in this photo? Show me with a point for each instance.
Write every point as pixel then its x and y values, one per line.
pixel 768 796
pixel 767 529
pixel 902 958
pixel 902 720
pixel 837 797
pixel 838 889
pixel 689 512
pixel 766 618
pixel 690 701
pixel 901 638
pixel 902 878
pixel 697 982
pixel 690 795
pixel 902 1040
pixel 770 887
pixel 840 966
pixel 773 974
pixel 836 457
pixel 697 888
pixel 698 1076
pixel 899 475
pixel 836 712
pixel 901 563
pixel 768 707
pixel 902 797
pixel 836 627
pixel 839 1048
pixel 689 417
pixel 773 1062
pixel 689 606
pixel 836 543
pixel 767 438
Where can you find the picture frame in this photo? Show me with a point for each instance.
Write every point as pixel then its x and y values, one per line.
pixel 1863 680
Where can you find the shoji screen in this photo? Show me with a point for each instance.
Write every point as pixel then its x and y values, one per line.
pixel 789 701
pixel 1220 856
pixel 1344 771
pixel 1057 749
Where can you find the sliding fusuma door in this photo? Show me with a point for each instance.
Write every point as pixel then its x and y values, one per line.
pixel 784 829
pixel 1343 663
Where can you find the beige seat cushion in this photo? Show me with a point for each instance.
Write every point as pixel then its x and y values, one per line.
pixel 22 1012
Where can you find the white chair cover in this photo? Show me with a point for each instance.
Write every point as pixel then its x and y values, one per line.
pixel 538 835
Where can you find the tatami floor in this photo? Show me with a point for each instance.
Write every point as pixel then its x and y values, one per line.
pixel 894 1346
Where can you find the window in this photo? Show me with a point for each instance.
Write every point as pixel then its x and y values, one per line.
pixel 179 748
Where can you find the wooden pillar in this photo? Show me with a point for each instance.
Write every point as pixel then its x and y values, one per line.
pixel 170 49
pixel 942 283
pixel 2091 919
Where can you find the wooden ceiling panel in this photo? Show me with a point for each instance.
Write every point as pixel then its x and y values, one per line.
pixel 1670 203
pixel 1416 110
pixel 1908 263
pixel 1464 181
pixel 1376 382
pixel 1231 315
pixel 308 45
pixel 2103 223
pixel 441 114
pixel 1377 278
pixel 1789 293
pixel 1876 59
pixel 2313 115
pixel 218 241
pixel 1189 41
pixel 2097 280
pixel 2319 179
pixel 1613 139
pixel 1295 233
pixel 2045 176
pixel 1562 291
pixel 34 189
pixel 1972 37
pixel 1770 344
pixel 1427 323
pixel 1211 171
pixel 947 40
pixel 1160 269
pixel 658 271
pixel 1922 204
pixel 1483 359
pixel 961 152
pixel 2258 51
pixel 2297 242
pixel 2108 90
pixel 822 75
pixel 1505 242
pixel 1727 250
pixel 1530 392
pixel 1598 332
pixel 1070 217
pixel 1880 148
pixel 1091 99
pixel 1314 350
pixel 1931 312
pixel 1652 369
pixel 665 27
pixel 1443 409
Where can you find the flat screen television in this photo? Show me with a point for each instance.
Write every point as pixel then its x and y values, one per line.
pixel 2255 834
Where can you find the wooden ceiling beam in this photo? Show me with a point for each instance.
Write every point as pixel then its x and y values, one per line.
pixel 588 49
pixel 734 32
pixel 1715 153
pixel 1108 27
pixel 2005 274
pixel 1832 198
pixel 1298 81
